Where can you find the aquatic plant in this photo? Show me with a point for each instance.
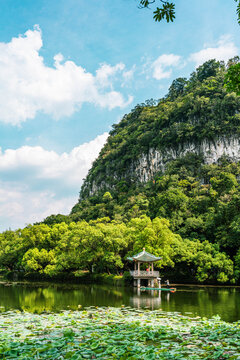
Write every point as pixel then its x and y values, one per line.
pixel 116 333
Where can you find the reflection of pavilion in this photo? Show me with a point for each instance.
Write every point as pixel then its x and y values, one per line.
pixel 149 274
pixel 151 299
pixel 142 300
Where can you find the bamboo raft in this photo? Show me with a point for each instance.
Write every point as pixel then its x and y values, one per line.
pixel 172 290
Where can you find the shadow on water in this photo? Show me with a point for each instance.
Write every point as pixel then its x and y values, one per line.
pixel 204 302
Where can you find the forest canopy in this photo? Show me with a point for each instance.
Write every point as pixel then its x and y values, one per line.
pixel 50 251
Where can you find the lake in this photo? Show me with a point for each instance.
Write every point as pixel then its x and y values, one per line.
pixel 200 301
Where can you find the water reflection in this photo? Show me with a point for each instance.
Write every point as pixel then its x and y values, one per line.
pixel 148 299
pixel 55 297
pixel 204 302
pixel 35 297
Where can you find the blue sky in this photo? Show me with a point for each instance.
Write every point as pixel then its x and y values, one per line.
pixel 70 69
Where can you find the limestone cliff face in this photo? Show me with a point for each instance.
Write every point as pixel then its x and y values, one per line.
pixel 147 165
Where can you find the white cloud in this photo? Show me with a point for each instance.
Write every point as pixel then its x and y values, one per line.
pixel 224 50
pixel 27 85
pixel 128 75
pixel 37 182
pixel 106 72
pixel 21 206
pixel 161 66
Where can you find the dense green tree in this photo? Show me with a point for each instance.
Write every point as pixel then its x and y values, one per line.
pixel 204 259
pixel 232 78
pixel 224 183
pixel 237 268
pixel 35 260
pixel 56 219
pixel 177 88
pixel 11 250
pixel 107 197
pixel 155 236
pixel 103 245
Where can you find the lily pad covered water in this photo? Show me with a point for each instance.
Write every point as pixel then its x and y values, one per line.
pixel 116 333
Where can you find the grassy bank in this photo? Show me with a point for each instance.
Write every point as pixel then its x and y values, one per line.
pixel 111 333
pixel 79 277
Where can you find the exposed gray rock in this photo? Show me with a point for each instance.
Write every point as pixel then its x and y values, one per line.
pixel 147 165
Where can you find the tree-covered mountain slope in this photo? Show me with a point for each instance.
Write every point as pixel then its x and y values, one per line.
pixel 197 119
pixel 178 159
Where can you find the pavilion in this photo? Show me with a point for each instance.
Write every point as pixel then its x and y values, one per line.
pixel 149 274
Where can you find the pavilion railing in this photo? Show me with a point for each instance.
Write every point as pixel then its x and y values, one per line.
pixel 143 273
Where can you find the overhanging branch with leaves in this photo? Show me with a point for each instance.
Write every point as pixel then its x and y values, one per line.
pixel 167 9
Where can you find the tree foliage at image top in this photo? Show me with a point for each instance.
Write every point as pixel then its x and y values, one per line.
pixel 167 9
pixel 238 11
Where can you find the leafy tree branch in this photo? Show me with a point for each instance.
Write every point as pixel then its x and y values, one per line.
pixel 167 9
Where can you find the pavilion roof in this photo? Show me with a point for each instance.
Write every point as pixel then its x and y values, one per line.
pixel 144 256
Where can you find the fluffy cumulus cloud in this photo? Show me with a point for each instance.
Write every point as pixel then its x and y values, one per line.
pixel 37 182
pixel 106 72
pixel 224 50
pixel 27 85
pixel 20 206
pixel 162 66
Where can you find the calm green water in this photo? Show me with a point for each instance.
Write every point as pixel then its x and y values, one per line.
pixel 203 301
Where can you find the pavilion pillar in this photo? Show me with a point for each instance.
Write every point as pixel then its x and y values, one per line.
pixel 138 283
pixel 139 268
